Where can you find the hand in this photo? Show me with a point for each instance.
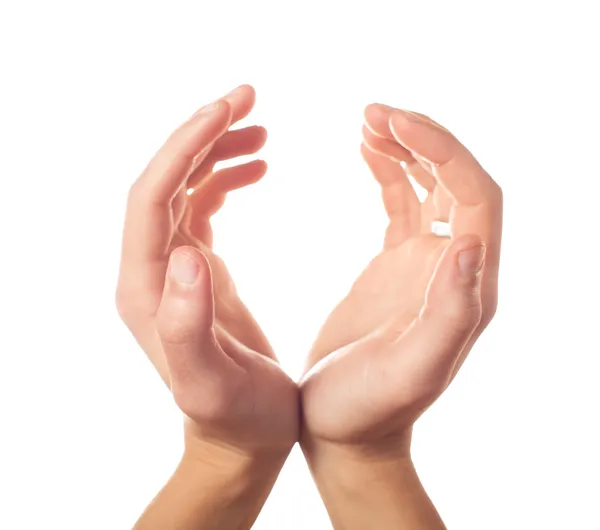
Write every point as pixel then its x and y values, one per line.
pixel 178 299
pixel 392 346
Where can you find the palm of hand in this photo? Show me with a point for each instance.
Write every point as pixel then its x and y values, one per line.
pixel 392 286
pixel 349 393
pixel 390 291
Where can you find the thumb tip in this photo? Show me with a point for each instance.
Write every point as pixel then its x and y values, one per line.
pixel 471 259
pixel 187 265
pixel 470 251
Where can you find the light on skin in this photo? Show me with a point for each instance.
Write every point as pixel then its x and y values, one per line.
pixel 386 352
pixel 397 340
pixel 178 299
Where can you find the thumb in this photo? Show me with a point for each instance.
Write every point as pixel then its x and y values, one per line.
pixel 202 375
pixel 452 311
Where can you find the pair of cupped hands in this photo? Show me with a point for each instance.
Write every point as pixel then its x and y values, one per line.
pixel 385 353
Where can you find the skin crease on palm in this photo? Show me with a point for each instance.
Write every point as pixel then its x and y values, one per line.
pixel 367 378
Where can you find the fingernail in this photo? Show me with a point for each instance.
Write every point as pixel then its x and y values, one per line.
pixel 232 92
pixel 183 269
pixel 206 110
pixel 381 106
pixel 411 116
pixel 210 108
pixel 470 261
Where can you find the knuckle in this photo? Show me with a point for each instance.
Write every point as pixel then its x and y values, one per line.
pixel 498 191
pixel 494 193
pixel 123 304
pixel 490 309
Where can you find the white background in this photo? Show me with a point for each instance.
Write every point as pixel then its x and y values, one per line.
pixel 89 91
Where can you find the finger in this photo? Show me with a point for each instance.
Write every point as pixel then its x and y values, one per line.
pixel 476 198
pixel 377 116
pixel 232 144
pixel 232 178
pixel 378 135
pixel 428 119
pixel 240 142
pixel 207 199
pixel 148 221
pixel 168 169
pixel 399 197
pixel 178 206
pixel 437 205
pixel 242 100
pixel 386 146
pixel 432 344
pixel 202 375
pixel 453 166
pixel 416 169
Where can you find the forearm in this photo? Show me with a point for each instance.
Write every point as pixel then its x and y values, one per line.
pixel 208 492
pixel 362 492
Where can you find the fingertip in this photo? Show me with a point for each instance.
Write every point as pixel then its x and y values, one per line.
pixel 376 117
pixel 216 108
pixel 401 120
pixel 466 241
pixel 186 266
pixel 245 89
pixel 399 126
pixel 242 100
pixel 369 154
pixel 466 255
pixel 255 171
pixel 226 108
pixel 470 260
pixel 378 110
pixel 201 259
pixel 458 267
pixel 423 138
pixel 365 150
pixel 262 135
pixel 263 166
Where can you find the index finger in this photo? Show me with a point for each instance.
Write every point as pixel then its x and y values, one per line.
pixel 147 231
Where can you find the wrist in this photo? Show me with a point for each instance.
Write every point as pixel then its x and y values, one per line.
pixel 367 450
pixel 213 487
pixel 231 463
pixel 370 485
pixel 350 466
pixel 225 448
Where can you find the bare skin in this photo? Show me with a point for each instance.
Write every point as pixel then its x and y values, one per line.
pixel 395 343
pixel 384 355
pixel 179 301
